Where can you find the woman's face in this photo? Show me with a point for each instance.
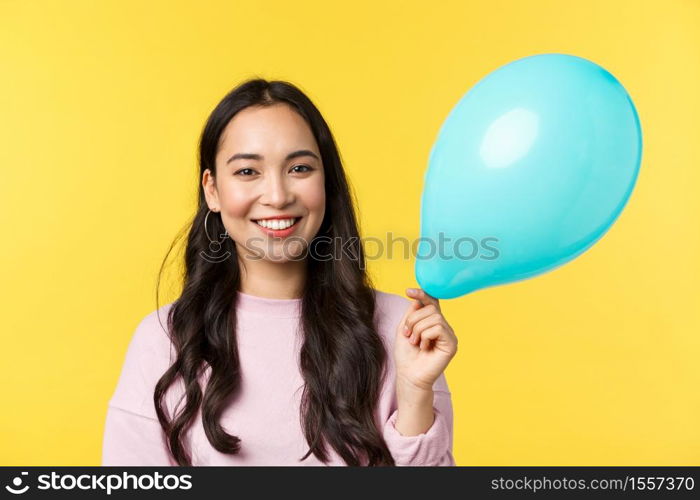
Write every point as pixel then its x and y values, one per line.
pixel 268 165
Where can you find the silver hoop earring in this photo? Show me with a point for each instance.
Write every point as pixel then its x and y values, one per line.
pixel 215 246
pixel 206 231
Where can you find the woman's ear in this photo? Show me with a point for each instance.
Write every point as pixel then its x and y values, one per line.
pixel 210 192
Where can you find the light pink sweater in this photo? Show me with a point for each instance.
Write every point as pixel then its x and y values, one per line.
pixel 266 414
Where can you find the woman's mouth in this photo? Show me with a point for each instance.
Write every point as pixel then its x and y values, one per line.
pixel 278 227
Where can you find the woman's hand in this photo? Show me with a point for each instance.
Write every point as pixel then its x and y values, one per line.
pixel 425 342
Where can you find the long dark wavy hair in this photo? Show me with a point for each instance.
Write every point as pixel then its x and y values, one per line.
pixel 342 358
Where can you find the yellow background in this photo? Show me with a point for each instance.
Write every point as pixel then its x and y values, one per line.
pixel 595 363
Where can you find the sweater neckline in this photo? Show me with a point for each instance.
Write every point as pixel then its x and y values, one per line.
pixel 278 308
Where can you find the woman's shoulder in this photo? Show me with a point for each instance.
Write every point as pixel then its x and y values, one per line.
pixel 147 357
pixel 151 333
pixel 390 302
pixel 389 309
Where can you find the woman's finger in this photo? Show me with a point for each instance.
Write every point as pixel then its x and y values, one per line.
pixel 420 314
pixel 429 335
pixel 433 319
pixel 409 310
pixel 422 296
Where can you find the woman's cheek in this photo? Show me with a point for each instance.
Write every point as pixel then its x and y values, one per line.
pixel 237 203
pixel 315 196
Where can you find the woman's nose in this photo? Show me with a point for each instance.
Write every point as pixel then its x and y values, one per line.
pixel 277 193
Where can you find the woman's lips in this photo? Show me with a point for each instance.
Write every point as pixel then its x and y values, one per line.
pixel 279 233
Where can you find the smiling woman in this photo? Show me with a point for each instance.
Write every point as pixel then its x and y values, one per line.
pixel 280 358
pixel 262 188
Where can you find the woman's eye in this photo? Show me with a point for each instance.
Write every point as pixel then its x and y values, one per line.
pixel 244 170
pixel 308 168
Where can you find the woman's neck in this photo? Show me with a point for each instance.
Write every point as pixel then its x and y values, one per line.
pixel 273 280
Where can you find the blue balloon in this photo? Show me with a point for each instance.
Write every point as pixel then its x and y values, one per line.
pixel 530 168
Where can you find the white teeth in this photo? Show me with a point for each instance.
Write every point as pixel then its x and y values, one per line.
pixel 276 224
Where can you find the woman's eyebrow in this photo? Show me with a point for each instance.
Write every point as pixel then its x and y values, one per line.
pixel 254 156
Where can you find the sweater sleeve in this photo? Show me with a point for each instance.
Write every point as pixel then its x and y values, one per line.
pixel 430 448
pixel 434 446
pixel 132 434
pixel 132 439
